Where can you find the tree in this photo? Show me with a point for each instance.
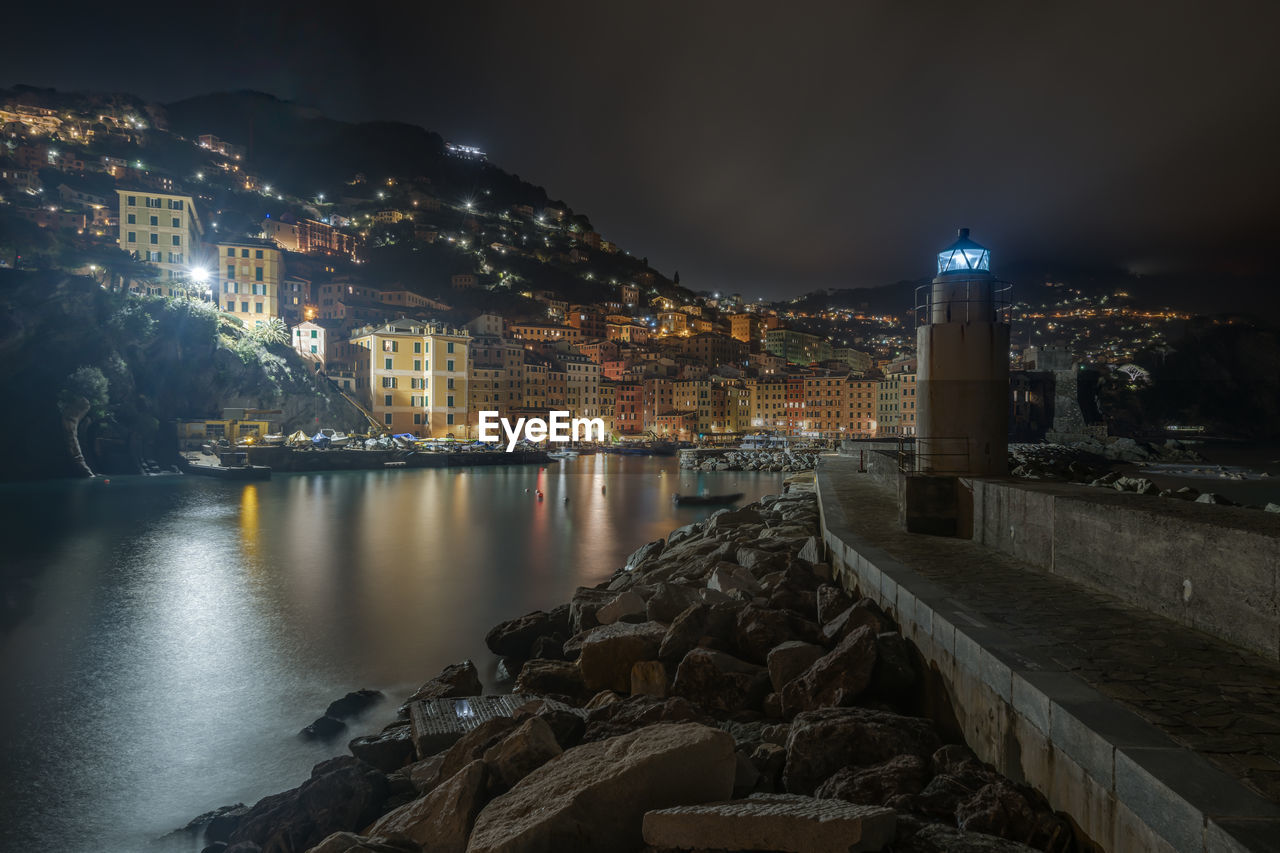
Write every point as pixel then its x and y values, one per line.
pixel 85 389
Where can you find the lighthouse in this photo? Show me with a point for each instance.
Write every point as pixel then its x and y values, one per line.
pixel 962 349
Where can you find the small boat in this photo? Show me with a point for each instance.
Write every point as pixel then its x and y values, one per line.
pixel 707 500
pixel 563 454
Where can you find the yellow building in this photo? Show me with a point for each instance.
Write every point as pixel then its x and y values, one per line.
pixel 162 229
pixel 414 377
pixel 246 280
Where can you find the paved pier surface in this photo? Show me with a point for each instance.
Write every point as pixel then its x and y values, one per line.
pixel 1216 700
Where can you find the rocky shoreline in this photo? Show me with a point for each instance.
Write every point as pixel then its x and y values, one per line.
pixel 717 693
pixel 785 461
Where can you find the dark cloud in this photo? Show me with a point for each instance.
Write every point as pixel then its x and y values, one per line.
pixel 771 147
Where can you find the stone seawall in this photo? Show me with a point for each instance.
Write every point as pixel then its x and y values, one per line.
pixel 1213 568
pixel 719 692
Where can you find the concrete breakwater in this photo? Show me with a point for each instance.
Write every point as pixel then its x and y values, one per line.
pixel 287 459
pixel 719 692
pixel 732 459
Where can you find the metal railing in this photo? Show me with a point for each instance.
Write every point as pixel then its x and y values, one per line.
pixel 917 455
pixel 964 302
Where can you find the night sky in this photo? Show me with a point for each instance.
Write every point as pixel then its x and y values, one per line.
pixel 775 148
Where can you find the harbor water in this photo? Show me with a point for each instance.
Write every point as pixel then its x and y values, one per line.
pixel 164 638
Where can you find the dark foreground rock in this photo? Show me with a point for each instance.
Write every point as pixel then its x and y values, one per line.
pixel 343 794
pixel 594 797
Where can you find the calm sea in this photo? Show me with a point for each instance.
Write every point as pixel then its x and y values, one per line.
pixel 164 638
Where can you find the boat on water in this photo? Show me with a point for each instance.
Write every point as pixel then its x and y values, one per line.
pixel 707 500
pixel 229 466
pixel 562 454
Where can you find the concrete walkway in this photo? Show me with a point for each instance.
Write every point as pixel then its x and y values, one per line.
pixel 1203 694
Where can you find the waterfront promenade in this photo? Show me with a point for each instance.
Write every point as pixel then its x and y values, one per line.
pixel 1175 726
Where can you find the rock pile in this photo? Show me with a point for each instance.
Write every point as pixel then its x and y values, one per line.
pixel 720 694
pixel 752 460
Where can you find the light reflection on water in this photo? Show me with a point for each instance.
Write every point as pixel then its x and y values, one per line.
pixel 164 638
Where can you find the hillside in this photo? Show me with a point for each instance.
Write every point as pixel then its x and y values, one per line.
pixel 156 359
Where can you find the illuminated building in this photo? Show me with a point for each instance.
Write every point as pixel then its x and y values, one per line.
pixel 162 229
pixel 413 376
pixel 246 280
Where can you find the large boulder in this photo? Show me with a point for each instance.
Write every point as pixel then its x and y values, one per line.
pixel 892 783
pixel 388 751
pixel 528 747
pixel 823 741
pixel 759 629
pixel 551 678
pixel 594 797
pixel 777 822
pixel 609 651
pixel 455 680
pixel 836 678
pixel 623 606
pixel 514 638
pixel 353 704
pixel 644 554
pixel 582 608
pixel 790 659
pixel 349 842
pixel 865 613
pixel 343 794
pixel 441 821
pixel 623 716
pixel 719 682
pixel 668 601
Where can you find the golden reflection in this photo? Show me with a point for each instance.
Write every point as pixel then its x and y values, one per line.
pixel 249 525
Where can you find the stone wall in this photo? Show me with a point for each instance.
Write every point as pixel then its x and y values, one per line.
pixel 1214 568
